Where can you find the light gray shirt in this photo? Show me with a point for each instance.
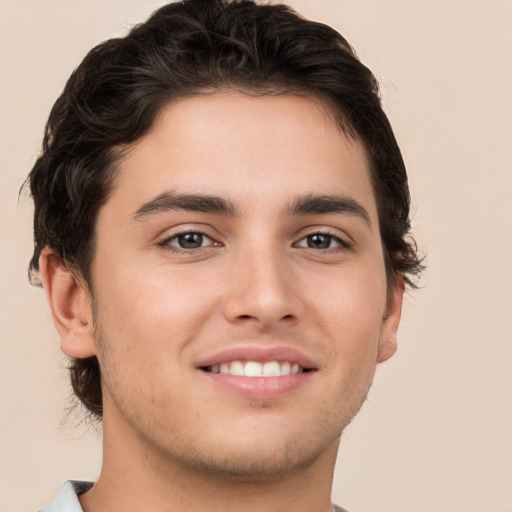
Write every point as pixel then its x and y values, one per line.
pixel 67 500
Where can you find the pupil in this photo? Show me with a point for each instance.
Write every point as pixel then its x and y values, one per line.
pixel 190 240
pixel 319 241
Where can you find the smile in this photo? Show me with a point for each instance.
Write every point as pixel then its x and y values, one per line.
pixel 258 372
pixel 256 368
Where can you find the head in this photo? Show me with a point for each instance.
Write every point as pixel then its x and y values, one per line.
pixel 198 49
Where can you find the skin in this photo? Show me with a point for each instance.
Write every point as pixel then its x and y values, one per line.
pixel 173 438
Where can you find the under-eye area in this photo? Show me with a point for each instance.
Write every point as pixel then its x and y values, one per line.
pixel 257 369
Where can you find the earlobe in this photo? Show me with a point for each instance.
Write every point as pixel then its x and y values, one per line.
pixel 391 321
pixel 70 304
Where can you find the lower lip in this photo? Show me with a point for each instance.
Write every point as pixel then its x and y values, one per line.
pixel 260 387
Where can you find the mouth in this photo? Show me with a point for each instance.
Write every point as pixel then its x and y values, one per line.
pixel 258 372
pixel 257 368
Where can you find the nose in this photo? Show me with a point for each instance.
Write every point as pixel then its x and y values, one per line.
pixel 262 290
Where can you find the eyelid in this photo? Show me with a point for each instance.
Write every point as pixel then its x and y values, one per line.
pixel 186 227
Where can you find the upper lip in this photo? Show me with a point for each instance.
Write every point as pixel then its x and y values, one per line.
pixel 260 354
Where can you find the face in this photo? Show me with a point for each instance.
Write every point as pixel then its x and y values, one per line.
pixel 239 286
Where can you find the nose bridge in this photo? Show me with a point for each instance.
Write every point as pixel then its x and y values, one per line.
pixel 261 287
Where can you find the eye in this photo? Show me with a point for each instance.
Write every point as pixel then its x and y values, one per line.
pixel 188 241
pixel 322 241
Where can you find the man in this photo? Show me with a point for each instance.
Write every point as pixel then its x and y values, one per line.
pixel 222 231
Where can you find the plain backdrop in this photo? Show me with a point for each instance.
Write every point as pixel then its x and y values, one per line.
pixel 436 431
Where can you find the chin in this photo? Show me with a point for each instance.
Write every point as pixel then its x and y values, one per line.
pixel 268 456
pixel 255 465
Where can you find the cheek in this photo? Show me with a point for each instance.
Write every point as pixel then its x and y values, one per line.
pixel 350 318
pixel 146 324
pixel 152 307
pixel 351 314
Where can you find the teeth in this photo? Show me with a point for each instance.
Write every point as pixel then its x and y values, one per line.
pixel 271 369
pixel 252 369
pixel 256 369
pixel 237 368
pixel 286 368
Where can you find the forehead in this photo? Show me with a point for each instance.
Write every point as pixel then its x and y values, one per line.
pixel 250 149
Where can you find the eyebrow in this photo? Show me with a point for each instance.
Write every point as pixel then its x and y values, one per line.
pixel 304 205
pixel 326 204
pixel 169 201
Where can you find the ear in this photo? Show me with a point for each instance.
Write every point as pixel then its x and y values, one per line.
pixel 70 304
pixel 391 321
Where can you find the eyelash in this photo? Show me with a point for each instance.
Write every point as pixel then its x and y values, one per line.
pixel 343 244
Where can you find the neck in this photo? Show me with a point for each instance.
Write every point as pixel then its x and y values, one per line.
pixel 136 477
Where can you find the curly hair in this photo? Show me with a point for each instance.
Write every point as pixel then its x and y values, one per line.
pixel 185 48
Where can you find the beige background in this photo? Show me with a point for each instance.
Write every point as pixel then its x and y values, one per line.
pixel 436 432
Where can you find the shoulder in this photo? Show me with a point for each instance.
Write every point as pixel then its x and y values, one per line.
pixel 67 500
